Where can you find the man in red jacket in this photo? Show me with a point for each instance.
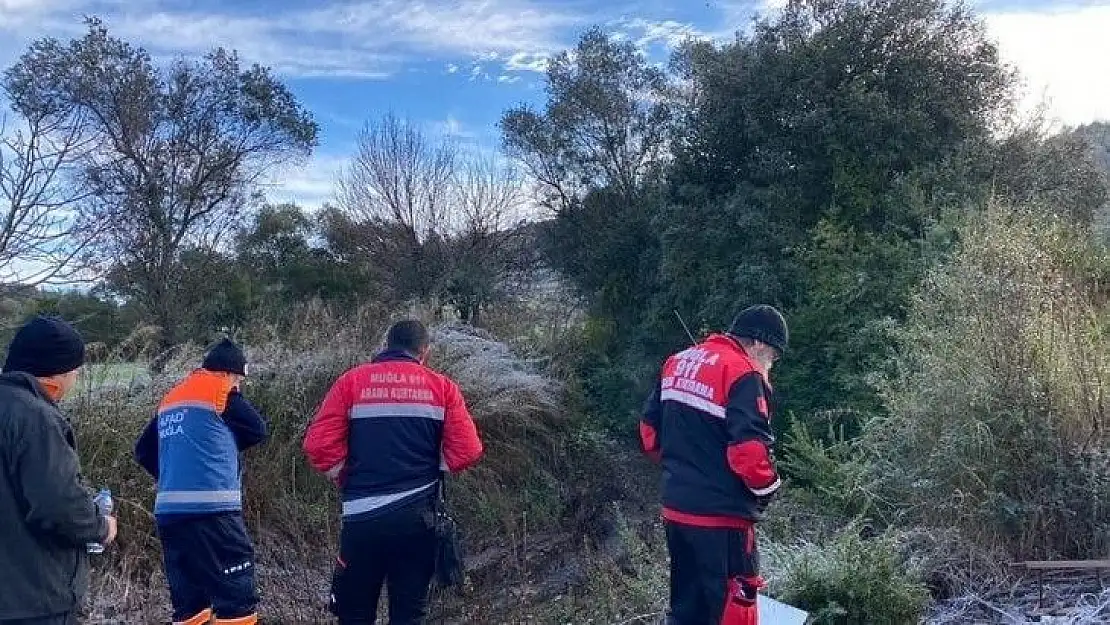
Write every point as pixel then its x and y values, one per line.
pixel 708 422
pixel 384 433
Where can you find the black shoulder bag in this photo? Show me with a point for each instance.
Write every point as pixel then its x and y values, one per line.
pixel 449 558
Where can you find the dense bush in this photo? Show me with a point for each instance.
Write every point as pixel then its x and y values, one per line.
pixel 998 419
pixel 849 581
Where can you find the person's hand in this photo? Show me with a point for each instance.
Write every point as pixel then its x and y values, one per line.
pixel 112 529
pixel 336 474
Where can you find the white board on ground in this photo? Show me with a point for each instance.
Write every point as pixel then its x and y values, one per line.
pixel 773 612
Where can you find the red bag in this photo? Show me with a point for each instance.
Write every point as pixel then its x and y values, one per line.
pixel 741 604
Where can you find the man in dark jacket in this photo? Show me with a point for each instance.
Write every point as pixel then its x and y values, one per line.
pixel 709 423
pixel 48 517
pixel 384 433
pixel 192 448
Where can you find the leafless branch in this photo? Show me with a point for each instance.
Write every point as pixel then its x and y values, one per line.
pixel 399 176
pixel 42 237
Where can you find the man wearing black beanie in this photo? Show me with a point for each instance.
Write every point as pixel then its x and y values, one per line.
pixel 192 448
pixel 47 515
pixel 715 397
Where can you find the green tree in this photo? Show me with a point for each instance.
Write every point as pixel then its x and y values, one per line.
pixel 598 151
pixel 279 253
pixel 173 153
pixel 803 174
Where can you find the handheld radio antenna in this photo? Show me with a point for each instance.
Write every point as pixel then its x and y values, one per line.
pixel 686 327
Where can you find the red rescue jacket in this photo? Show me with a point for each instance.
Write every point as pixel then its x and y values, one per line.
pixel 708 422
pixel 386 430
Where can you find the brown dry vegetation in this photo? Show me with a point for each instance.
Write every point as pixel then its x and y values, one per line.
pixel 535 510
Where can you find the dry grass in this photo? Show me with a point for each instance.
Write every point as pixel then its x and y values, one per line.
pixel 523 493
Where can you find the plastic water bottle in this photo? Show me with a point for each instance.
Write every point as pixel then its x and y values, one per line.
pixel 103 503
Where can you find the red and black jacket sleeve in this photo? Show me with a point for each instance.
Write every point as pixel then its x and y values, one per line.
pixel 325 440
pixel 750 437
pixel 650 420
pixel 462 447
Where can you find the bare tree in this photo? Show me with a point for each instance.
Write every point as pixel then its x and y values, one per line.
pixel 434 223
pixel 399 176
pixel 41 236
pixel 491 252
pixel 399 187
pixel 489 195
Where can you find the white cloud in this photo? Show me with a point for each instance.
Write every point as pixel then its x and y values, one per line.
pixel 310 184
pixel 527 62
pixel 11 7
pixel 363 39
pixel 453 128
pixel 506 79
pixel 1063 54
pixel 667 33
pixel 452 68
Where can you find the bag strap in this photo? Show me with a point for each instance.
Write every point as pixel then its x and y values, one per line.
pixel 441 492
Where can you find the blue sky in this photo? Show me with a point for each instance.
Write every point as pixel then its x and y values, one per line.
pixel 456 66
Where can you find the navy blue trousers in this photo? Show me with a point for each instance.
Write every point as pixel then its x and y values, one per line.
pixel 395 549
pixel 209 564
pixel 708 566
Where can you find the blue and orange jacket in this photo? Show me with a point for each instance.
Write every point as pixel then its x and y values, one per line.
pixel 385 432
pixel 192 446
pixel 708 423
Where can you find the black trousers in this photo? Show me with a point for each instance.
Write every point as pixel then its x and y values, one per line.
pixel 68 618
pixel 396 550
pixel 714 573
pixel 209 564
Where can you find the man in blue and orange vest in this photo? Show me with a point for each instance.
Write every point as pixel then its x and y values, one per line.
pixel 708 422
pixel 384 433
pixel 192 448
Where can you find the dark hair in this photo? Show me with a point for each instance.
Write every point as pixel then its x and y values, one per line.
pixel 409 335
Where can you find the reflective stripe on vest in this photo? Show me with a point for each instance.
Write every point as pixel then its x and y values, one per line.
pixel 693 401
pixel 366 504
pixel 423 411
pixel 198 496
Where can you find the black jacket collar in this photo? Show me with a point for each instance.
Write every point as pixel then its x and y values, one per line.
pixel 395 355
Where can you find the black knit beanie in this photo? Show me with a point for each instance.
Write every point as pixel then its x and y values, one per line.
pixel 44 347
pixel 226 356
pixel 762 323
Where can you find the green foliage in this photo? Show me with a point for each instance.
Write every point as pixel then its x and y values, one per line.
pixel 597 150
pixel 855 285
pixel 997 425
pixel 102 321
pixel 811 161
pixel 170 155
pixel 792 175
pixel 826 471
pixel 850 581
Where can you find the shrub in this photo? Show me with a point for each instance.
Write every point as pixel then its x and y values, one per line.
pixel 826 471
pixel 848 581
pixel 998 423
